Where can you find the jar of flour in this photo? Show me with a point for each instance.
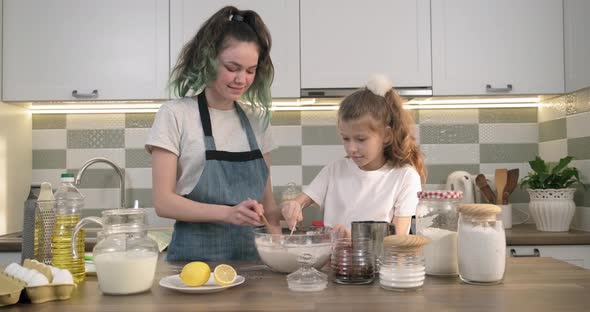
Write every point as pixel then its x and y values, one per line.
pixel 436 219
pixel 481 244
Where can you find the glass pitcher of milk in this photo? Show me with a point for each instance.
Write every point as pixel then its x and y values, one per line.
pixel 126 257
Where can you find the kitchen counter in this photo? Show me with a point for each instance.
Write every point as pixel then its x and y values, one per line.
pixel 525 234
pixel 531 284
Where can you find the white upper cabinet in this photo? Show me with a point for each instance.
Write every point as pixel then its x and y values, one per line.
pixel 63 50
pixel 280 16
pixel 345 42
pixel 497 47
pixel 577 44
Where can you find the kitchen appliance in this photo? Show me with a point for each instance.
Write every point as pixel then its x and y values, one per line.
pixel 462 181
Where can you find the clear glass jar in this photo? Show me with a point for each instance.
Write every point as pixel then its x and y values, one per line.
pixel 436 219
pixel 307 278
pixel 126 258
pixel 402 270
pixel 481 247
pixel 353 262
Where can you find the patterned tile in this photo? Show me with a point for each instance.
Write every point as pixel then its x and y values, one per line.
pixel 552 130
pixel 286 118
pixel 451 153
pixel 49 139
pixel 508 153
pixel 95 121
pixel 578 125
pixel 49 159
pixel 101 198
pixel 555 110
pixel 47 175
pixel 582 197
pixel 509 133
pixel 582 219
pixel 96 138
pixel 437 174
pixel 579 148
pixel 321 135
pixel 310 172
pixel 553 150
pixel 49 121
pixel 507 115
pixel 137 158
pixel 139 120
pixel 286 155
pixel 448 116
pixel 449 134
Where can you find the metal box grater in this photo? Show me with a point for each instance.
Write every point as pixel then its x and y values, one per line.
pixel 29 244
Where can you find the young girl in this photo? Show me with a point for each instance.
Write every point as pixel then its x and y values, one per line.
pixel 382 173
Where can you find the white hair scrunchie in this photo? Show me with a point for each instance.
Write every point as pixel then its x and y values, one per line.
pixel 379 84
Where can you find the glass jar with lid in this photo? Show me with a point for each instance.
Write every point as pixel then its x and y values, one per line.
pixel 307 278
pixel 126 257
pixel 481 244
pixel 402 265
pixel 436 219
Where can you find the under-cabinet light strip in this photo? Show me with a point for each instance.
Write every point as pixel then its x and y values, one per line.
pixel 277 106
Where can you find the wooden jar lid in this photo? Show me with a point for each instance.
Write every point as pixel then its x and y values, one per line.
pixel 405 242
pixel 484 211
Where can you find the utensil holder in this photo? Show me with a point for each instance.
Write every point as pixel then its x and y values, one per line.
pixel 506 215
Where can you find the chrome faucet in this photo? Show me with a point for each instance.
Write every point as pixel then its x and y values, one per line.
pixel 110 163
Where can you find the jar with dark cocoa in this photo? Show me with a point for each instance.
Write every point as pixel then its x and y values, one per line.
pixel 353 261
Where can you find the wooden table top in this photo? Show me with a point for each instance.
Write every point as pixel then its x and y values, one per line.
pixel 530 284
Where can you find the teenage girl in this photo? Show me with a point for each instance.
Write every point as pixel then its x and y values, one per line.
pixel 382 173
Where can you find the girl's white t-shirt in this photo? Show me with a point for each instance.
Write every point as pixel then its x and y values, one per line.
pixel 346 193
pixel 177 128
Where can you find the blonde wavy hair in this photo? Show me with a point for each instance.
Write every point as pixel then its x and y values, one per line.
pixel 388 111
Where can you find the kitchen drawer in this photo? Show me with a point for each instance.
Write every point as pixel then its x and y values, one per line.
pixel 575 254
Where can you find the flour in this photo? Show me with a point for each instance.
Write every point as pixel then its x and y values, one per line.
pixel 441 252
pixel 482 252
pixel 283 257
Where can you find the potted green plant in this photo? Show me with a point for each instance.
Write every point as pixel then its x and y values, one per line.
pixel 552 195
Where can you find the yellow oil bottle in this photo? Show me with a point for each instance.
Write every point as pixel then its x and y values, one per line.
pixel 62 246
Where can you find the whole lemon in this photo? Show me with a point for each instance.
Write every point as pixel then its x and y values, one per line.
pixel 195 273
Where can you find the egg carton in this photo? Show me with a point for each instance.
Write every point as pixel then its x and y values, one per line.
pixel 11 288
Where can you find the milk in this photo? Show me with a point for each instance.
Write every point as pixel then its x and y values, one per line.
pixel 121 273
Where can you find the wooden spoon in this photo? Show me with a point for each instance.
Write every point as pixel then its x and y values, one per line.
pixel 486 190
pixel 511 184
pixel 501 179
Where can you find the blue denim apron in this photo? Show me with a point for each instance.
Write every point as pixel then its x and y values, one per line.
pixel 227 179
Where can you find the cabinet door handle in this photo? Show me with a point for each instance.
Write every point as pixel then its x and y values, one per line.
pixel 489 88
pixel 536 253
pixel 77 95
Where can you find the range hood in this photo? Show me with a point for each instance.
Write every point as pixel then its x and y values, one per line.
pixel 342 92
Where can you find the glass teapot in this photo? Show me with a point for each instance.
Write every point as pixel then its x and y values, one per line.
pixel 125 257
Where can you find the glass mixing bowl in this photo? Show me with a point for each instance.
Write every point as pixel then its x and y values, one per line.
pixel 280 251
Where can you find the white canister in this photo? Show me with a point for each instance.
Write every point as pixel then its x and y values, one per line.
pixel 481 244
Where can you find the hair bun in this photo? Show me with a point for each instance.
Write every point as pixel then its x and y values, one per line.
pixel 379 84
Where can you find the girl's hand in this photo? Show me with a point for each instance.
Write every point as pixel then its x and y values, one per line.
pixel 247 212
pixel 291 211
pixel 341 232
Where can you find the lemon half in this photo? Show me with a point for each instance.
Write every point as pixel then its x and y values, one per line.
pixel 195 273
pixel 224 275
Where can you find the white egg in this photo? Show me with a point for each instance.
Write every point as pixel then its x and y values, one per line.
pixel 28 275
pixel 20 273
pixel 37 279
pixel 53 269
pixel 63 277
pixel 11 268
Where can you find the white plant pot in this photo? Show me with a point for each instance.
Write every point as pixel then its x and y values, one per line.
pixel 552 209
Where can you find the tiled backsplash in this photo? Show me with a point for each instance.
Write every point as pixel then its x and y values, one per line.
pixel 473 140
